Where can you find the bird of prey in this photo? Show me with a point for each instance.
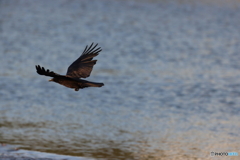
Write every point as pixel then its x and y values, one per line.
pixel 80 68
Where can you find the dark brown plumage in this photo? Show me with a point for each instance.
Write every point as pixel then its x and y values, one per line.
pixel 81 68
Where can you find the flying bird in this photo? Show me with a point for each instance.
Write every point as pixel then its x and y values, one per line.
pixel 80 68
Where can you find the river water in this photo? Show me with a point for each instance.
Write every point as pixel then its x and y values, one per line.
pixel 171 72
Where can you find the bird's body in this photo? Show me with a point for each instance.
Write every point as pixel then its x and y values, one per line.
pixel 75 83
pixel 81 68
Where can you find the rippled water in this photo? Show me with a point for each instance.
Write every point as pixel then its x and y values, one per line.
pixel 171 74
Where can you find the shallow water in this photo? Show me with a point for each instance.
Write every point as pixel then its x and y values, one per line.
pixel 171 73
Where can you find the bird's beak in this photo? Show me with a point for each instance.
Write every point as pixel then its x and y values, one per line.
pixel 50 80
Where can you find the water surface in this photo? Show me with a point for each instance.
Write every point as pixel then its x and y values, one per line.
pixel 171 74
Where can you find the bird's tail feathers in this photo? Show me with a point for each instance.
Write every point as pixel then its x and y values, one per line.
pixel 94 84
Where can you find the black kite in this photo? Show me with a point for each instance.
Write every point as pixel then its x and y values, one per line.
pixel 81 68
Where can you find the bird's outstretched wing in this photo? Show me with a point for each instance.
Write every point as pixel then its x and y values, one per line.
pixel 42 71
pixel 82 67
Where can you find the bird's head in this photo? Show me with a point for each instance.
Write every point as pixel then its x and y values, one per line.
pixel 50 80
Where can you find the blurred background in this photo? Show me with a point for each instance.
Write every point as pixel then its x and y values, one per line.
pixel 171 71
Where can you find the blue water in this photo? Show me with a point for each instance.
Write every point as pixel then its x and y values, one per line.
pixel 171 73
